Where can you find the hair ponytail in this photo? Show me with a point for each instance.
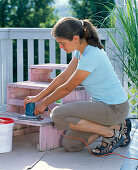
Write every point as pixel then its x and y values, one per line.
pixel 91 35
pixel 67 27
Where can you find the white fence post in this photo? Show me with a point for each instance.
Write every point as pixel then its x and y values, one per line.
pixel 6 65
pixel 110 47
pixel 132 97
pixel 118 65
pixel 1 74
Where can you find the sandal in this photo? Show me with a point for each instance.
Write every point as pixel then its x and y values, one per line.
pixel 111 143
pixel 125 132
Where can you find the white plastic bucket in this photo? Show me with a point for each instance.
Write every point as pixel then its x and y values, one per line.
pixel 6 133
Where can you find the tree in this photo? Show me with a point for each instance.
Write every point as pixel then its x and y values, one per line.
pixel 26 13
pixel 91 9
pixel 4 10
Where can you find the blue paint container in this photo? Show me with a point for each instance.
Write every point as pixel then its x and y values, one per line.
pixel 29 111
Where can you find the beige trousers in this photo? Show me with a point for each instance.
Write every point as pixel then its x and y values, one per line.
pixel 94 111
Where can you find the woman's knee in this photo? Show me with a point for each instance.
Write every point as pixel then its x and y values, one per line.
pixel 58 118
pixel 56 112
pixel 72 145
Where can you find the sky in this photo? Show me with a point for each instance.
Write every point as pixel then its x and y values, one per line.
pixel 62 8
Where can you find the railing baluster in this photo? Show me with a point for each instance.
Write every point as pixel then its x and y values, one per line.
pixel 41 56
pixel 1 71
pixel 4 73
pixel 30 53
pixel 10 54
pixel 52 53
pixel 63 56
pixel 19 60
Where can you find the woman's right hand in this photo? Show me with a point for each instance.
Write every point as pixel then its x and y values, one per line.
pixel 29 99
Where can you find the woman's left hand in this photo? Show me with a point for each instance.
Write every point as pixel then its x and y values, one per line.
pixel 40 108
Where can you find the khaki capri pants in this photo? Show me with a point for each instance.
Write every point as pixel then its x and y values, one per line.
pixel 94 111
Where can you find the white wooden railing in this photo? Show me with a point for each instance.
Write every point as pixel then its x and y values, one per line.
pixel 7 35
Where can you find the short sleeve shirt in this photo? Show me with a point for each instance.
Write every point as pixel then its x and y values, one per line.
pixel 102 83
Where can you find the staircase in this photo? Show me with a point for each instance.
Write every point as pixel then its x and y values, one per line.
pixel 39 78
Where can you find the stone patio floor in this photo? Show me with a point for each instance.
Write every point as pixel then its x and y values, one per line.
pixel 24 156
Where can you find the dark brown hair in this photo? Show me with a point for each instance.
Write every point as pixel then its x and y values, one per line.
pixel 68 27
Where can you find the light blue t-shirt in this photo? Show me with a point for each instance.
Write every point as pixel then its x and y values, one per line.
pixel 102 83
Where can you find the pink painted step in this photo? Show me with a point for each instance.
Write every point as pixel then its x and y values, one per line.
pixel 17 92
pixel 48 134
pixel 79 94
pixel 49 138
pixel 41 72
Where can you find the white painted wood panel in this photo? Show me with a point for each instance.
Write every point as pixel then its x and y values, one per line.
pixel 30 53
pixel 20 60
pixel 52 54
pixel 41 56
pixel 52 51
pixel 30 33
pixel 63 56
pixel 110 50
pixel 4 72
pixel 1 71
pixel 10 54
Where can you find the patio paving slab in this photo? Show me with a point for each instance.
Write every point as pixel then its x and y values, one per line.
pixel 25 156
pixel 60 159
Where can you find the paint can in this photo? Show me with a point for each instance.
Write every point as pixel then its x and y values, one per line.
pixel 6 134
